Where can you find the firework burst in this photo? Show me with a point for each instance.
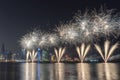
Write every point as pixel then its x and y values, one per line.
pixel 106 23
pixel 85 28
pixel 68 33
pixel 97 24
pixel 53 39
pixel 29 41
pixel 48 40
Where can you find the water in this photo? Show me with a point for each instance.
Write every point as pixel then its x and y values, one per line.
pixel 61 71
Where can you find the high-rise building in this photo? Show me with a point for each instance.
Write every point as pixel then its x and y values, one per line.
pixel 45 55
pixel 39 54
pixel 3 49
pixel 23 54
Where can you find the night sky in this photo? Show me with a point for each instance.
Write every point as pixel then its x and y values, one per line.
pixel 17 17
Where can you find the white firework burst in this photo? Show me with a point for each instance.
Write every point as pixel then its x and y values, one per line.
pixel 68 33
pixel 29 41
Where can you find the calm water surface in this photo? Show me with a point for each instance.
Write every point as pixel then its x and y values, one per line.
pixel 61 71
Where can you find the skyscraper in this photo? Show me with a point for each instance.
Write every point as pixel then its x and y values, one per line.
pixel 2 52
pixel 3 49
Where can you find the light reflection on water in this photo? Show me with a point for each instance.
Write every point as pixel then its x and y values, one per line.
pixel 28 71
pixel 108 71
pixel 61 71
pixel 83 70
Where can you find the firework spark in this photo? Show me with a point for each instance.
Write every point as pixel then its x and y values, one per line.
pixel 33 55
pixel 59 53
pixel 82 51
pixel 107 50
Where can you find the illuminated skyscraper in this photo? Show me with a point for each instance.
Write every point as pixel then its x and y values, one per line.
pixel 39 54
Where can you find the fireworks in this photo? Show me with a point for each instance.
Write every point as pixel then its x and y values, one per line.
pixel 86 28
pixel 48 40
pixel 107 51
pixel 82 51
pixel 43 42
pixel 106 22
pixel 53 40
pixel 29 41
pixel 97 24
pixel 59 53
pixel 68 33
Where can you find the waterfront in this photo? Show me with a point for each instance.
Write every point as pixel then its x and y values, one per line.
pixel 59 71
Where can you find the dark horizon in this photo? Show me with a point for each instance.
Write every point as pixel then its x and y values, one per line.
pixel 19 17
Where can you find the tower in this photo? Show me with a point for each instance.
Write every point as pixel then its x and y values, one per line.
pixel 3 49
